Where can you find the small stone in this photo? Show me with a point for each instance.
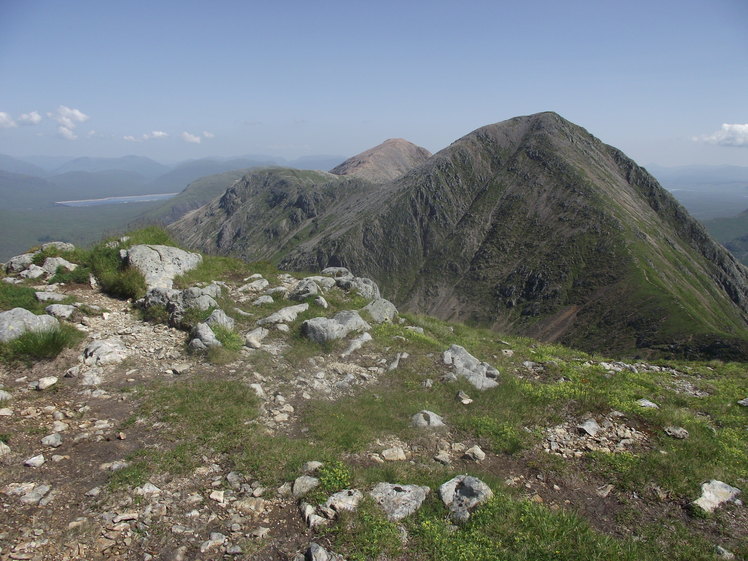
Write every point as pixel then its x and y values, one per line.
pixel 4 449
pixel 396 454
pixel 427 419
pixel 125 517
pixel 590 427
pixel 443 457
pixel 464 398
pixel 46 382
pixel 676 432
pixel 304 484
pixel 647 404
pixel 35 462
pixel 743 402
pixel 723 553
pixel 4 396
pixel 311 466
pixel 604 491
pixel 217 496
pixel 216 539
pixel 475 453
pixel 35 496
pixel 54 440
pixel 260 533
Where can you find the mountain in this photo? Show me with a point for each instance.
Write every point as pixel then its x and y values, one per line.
pixel 385 162
pixel 19 191
pixel 531 225
pixel 195 195
pixel 73 185
pixel 14 165
pixel 185 173
pixel 137 164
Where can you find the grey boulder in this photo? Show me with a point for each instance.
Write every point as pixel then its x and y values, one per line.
pixel 480 374
pixel 303 290
pixel 61 311
pixel 19 262
pixel 381 310
pixel 322 330
pixel 51 263
pixel 399 501
pixel 285 315
pixel 219 317
pixel 426 419
pixel 18 321
pixel 462 494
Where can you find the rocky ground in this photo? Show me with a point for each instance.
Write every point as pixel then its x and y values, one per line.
pixel 72 424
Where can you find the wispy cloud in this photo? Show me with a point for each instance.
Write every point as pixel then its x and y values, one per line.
pixel 32 118
pixel 207 134
pixel 147 136
pixel 68 118
pixel 192 138
pixel 67 133
pixel 6 121
pixel 727 135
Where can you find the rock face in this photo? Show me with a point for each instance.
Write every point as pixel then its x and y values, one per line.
pixel 18 321
pixel 161 263
pixel 386 162
pixel 462 494
pixel 399 501
pixel 481 374
pixel 530 225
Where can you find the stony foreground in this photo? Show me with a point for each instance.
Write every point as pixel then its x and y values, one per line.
pixel 77 429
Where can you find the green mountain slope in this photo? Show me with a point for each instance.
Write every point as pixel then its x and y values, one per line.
pixel 531 225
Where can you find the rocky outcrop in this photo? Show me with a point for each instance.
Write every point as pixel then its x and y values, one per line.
pixel 480 374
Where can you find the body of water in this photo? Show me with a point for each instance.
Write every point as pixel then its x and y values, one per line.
pixel 118 200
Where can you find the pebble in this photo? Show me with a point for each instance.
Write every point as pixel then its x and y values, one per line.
pixel 46 382
pixel 35 462
pixel 53 440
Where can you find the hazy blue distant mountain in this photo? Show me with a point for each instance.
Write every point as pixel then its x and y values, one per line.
pixel 14 165
pixel 706 191
pixel 185 173
pixel 144 166
pixel 315 162
pixel 47 163
pixel 75 185
pixel 18 191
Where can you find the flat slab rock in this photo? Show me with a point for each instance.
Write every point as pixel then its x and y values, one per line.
pixel 161 263
pixel 480 374
pixel 399 501
pixel 18 321
pixel 105 351
pixel 714 493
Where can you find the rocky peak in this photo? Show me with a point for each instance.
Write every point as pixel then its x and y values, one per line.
pixel 386 162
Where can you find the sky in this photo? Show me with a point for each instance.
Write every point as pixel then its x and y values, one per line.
pixel 664 80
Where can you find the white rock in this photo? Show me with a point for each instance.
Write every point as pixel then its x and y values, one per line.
pixel 159 264
pixel 399 501
pixel 53 440
pixel 36 461
pixel 480 374
pixel 427 419
pixel 4 449
pixel 475 453
pixel 302 485
pixel 714 493
pixel 46 382
pixel 396 454
pixel 462 494
pixel 647 404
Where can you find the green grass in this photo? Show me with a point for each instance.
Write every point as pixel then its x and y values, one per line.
pixel 19 296
pixel 46 345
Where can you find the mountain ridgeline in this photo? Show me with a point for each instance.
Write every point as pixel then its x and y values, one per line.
pixel 531 226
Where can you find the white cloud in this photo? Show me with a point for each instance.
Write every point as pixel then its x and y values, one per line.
pixel 68 117
pixel 193 138
pixel 728 135
pixel 147 136
pixel 67 133
pixel 207 134
pixel 6 122
pixel 33 118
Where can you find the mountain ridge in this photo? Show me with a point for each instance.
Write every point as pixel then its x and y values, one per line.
pixel 531 225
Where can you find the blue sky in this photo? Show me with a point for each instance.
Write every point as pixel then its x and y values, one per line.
pixel 177 80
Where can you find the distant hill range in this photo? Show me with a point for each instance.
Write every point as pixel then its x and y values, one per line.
pixel 531 225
